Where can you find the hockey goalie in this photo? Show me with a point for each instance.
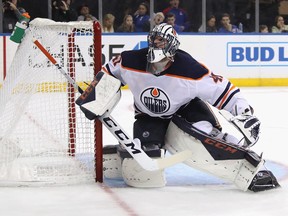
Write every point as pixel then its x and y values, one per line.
pixel 171 93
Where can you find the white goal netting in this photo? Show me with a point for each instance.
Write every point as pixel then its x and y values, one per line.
pixel 44 137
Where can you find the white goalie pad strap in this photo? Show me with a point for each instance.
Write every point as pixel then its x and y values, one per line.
pixel 112 166
pixel 239 171
pixel 134 175
pixel 107 95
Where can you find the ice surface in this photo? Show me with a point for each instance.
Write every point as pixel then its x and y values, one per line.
pixel 188 192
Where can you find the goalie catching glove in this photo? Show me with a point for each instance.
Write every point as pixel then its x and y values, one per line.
pixel 247 124
pixel 101 96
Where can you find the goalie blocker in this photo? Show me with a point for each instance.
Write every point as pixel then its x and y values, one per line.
pixel 100 97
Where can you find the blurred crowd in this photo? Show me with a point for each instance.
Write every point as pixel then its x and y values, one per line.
pixel 223 16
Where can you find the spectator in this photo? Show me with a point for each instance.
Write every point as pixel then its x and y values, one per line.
pixel 11 14
pixel 227 27
pixel 62 12
pixel 92 5
pixel 127 24
pixel 279 26
pixel 84 12
pixel 170 19
pixel 141 17
pixel 210 25
pixel 158 18
pixel 263 29
pixel 89 17
pixel 108 23
pixel 180 15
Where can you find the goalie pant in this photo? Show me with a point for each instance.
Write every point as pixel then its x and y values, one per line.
pixel 224 160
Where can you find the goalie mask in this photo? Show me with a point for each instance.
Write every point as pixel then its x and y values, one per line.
pixel 163 43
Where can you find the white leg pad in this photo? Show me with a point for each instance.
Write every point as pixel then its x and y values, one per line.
pixel 134 175
pixel 246 174
pixel 240 171
pixel 112 166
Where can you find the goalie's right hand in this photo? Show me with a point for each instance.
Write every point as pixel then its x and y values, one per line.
pixel 249 126
pixel 101 96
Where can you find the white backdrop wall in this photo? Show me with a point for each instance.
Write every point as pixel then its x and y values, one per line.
pixel 245 58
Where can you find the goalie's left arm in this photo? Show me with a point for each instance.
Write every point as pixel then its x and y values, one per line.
pixel 223 95
pixel 241 116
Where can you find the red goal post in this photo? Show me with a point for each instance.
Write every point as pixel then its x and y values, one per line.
pixel 44 136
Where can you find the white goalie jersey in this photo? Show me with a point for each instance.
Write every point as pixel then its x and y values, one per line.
pixel 161 96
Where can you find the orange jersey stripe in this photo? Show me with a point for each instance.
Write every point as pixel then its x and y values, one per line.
pixel 170 75
pixel 105 70
pixel 225 96
pixel 187 78
pixel 133 69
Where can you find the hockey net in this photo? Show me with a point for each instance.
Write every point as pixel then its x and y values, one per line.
pixel 44 137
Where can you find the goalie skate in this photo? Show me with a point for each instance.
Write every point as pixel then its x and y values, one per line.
pixel 263 180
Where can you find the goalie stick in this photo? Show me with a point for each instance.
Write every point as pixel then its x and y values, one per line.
pixel 133 147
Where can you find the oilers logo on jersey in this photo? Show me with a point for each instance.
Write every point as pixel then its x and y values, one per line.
pixel 155 100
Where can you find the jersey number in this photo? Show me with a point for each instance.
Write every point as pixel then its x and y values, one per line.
pixel 216 78
pixel 116 59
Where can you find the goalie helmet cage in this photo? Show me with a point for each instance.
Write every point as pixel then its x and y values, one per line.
pixel 45 139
